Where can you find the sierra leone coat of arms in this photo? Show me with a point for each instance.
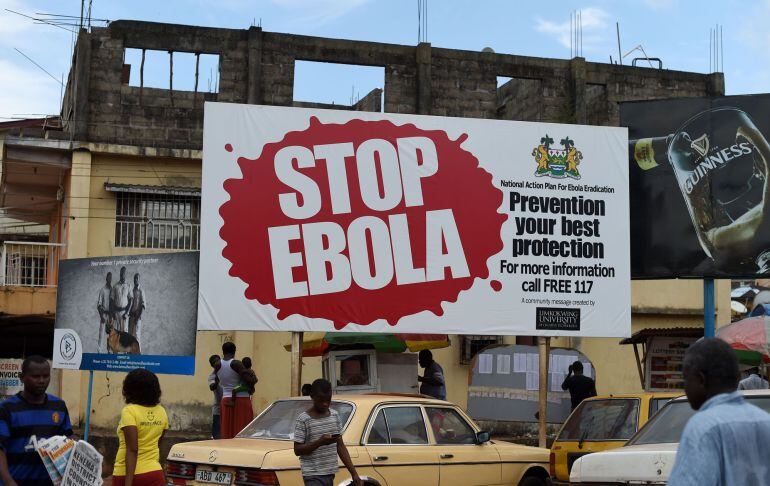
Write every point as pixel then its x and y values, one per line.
pixel 557 162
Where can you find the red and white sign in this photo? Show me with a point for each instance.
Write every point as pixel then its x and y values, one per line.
pixel 336 220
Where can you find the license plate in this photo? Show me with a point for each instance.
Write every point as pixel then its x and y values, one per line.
pixel 214 477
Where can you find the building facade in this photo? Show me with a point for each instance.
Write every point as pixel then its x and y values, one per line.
pixel 121 175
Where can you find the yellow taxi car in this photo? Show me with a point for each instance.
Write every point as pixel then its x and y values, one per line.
pixel 393 440
pixel 599 424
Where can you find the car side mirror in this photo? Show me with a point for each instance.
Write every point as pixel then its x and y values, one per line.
pixel 482 436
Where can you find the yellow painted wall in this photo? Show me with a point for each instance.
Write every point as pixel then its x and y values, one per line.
pixel 91 233
pixel 22 301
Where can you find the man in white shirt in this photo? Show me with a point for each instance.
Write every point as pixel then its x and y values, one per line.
pixel 754 381
pixel 136 306
pixel 103 308
pixel 119 298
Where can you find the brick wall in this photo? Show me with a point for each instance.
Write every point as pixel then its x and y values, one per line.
pixel 258 67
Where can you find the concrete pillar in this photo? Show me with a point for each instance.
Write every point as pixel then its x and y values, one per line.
pixel 424 99
pixel 716 84
pixel 82 69
pixel 77 205
pixel 722 301
pixel 254 89
pixel 578 87
pixel 74 384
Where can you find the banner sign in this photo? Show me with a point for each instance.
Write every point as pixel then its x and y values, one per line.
pixel 10 377
pixel 125 312
pixel 699 187
pixel 324 220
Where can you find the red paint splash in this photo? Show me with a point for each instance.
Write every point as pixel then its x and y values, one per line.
pixel 496 285
pixel 459 184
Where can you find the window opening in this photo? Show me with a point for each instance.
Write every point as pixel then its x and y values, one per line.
pixel 333 85
pixel 176 70
pixel 157 221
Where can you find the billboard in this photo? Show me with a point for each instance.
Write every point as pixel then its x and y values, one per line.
pixel 124 312
pixel 699 188
pixel 326 220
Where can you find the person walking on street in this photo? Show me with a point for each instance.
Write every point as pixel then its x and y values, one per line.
pixel 25 418
pixel 215 361
pixel 143 423
pixel 104 309
pixel 432 382
pixel 236 412
pixel 580 386
pixel 725 442
pixel 318 439
pixel 754 381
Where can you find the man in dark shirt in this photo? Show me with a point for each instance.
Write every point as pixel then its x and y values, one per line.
pixel 580 386
pixel 26 417
pixel 432 381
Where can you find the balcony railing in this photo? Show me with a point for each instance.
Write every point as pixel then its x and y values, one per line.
pixel 29 264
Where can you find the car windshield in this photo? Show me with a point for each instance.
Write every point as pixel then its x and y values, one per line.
pixel 667 425
pixel 611 419
pixel 277 422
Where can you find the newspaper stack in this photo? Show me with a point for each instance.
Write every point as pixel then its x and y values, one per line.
pixel 70 463
pixel 55 452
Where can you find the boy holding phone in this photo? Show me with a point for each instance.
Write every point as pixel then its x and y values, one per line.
pixel 318 439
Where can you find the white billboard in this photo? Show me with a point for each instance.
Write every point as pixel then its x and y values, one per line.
pixel 324 220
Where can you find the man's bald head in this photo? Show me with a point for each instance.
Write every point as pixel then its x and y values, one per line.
pixel 710 368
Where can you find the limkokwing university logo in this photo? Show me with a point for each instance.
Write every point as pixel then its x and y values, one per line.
pixel 557 163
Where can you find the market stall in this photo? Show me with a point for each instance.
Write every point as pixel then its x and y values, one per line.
pixel 659 355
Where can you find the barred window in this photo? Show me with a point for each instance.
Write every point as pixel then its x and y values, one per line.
pixel 471 345
pixel 164 221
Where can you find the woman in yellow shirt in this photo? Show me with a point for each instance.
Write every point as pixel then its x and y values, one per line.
pixel 143 422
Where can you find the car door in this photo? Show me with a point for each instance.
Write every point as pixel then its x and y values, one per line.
pixel 463 462
pixel 397 443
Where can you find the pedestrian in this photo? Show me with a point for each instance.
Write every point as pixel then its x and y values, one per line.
pixel 725 442
pixel 754 381
pixel 432 382
pixel 306 390
pixel 236 412
pixel 119 300
pixel 215 361
pixel 137 306
pixel 318 439
pixel 29 416
pixel 580 386
pixel 104 309
pixel 143 423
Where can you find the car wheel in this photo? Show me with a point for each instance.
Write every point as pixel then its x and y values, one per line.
pixel 532 481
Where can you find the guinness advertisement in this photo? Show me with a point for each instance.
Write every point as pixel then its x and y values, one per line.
pixel 700 198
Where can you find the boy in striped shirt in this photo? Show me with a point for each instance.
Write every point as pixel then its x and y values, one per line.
pixel 318 439
pixel 30 415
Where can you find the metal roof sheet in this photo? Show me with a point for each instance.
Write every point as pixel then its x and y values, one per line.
pixel 644 334
pixel 142 189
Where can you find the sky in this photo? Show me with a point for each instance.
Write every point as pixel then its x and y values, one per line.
pixel 677 31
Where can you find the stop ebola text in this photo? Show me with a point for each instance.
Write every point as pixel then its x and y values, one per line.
pixel 379 247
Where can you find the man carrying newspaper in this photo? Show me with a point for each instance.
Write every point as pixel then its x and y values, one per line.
pixel 27 418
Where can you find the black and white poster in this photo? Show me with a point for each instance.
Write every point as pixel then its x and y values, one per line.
pixel 125 312
pixel 700 197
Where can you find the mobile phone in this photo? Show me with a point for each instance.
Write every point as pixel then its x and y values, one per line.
pixel 335 436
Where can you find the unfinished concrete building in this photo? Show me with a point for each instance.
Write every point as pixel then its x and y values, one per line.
pixel 258 67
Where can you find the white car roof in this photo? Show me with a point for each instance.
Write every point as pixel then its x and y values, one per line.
pixel 748 393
